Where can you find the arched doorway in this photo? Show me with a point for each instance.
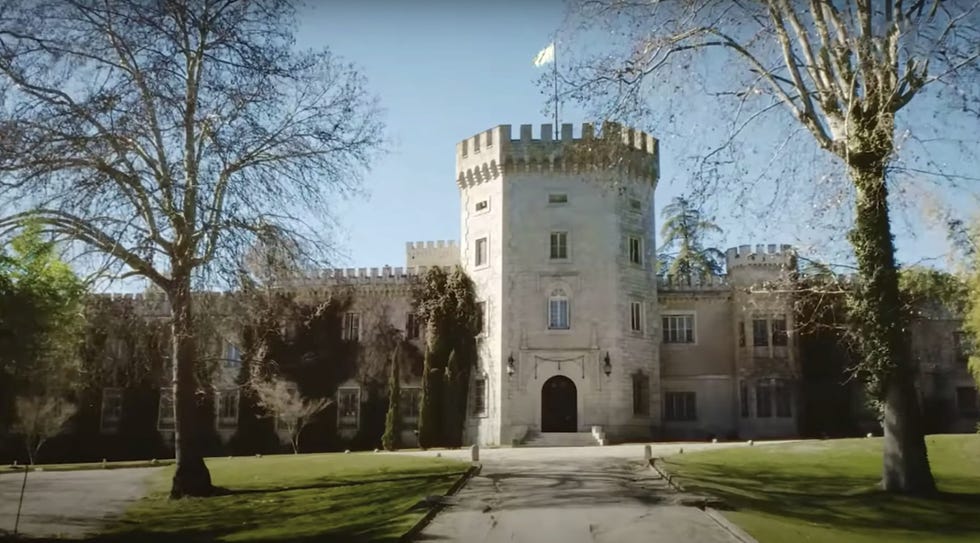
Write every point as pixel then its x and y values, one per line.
pixel 559 405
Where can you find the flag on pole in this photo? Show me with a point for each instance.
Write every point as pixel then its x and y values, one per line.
pixel 545 56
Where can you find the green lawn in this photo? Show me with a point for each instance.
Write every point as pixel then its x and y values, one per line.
pixel 825 491
pixel 315 497
pixel 90 465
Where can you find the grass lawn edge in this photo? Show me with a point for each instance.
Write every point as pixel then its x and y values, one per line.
pixel 417 528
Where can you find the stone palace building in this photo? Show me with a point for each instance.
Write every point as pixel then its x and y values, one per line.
pixel 582 342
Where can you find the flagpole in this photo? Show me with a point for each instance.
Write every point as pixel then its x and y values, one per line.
pixel 556 88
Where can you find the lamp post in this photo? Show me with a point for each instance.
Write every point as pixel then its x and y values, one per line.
pixel 606 366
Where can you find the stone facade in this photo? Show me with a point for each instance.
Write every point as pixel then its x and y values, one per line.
pixel 580 335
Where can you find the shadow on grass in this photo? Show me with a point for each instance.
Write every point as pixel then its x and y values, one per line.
pixel 834 499
pixel 328 483
pixel 353 511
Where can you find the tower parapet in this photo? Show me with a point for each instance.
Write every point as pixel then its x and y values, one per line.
pixel 763 255
pixel 431 253
pixel 493 152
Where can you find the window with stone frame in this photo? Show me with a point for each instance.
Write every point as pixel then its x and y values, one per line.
pixel 558 310
pixel 233 355
pixel 481 315
pixel 352 327
pixel 779 335
pixel 479 397
pixel 678 328
pixel 966 401
pixel 228 408
pixel 165 413
pixel 557 199
pixel 410 403
pixel 413 325
pixel 636 317
pixel 112 407
pixel 641 394
pixel 763 399
pixel 680 406
pixel 348 407
pixel 558 246
pixel 743 399
pixel 635 250
pixel 481 253
pixel 760 332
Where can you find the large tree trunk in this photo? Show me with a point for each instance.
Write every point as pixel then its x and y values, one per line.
pixel 883 339
pixel 192 477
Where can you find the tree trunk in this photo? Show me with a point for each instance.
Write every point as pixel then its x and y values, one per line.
pixel 883 339
pixel 192 477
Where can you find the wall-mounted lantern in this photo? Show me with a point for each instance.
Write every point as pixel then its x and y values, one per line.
pixel 606 366
pixel 510 365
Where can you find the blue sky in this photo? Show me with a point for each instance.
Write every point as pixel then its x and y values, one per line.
pixel 446 70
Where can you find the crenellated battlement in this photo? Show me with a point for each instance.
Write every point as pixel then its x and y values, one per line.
pixel 761 255
pixel 490 153
pixel 439 244
pixel 432 253
pixel 671 283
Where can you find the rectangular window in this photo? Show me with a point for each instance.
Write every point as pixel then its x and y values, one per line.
pixel 482 205
pixel 352 327
pixel 480 397
pixel 635 204
pixel 112 406
pixel 635 250
pixel 412 326
pixel 678 328
pixel 559 245
pixel 760 332
pixel 743 399
pixel 557 199
pixel 741 333
pixel 165 414
pixel 641 394
pixel 763 399
pixel 779 337
pixel 966 401
pixel 636 316
pixel 228 409
pixel 680 406
pixel 480 257
pixel 348 407
pixel 558 314
pixel 410 403
pixel 233 356
pixel 784 399
pixel 481 314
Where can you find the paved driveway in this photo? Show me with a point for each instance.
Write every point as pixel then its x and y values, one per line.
pixel 69 503
pixel 572 495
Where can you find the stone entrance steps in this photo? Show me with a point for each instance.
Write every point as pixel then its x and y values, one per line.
pixel 561 439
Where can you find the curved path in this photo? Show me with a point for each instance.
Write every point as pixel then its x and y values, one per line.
pixel 69 504
pixel 572 495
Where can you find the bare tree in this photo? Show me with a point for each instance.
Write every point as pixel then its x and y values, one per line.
pixel 168 137
pixel 39 418
pixel 281 399
pixel 843 70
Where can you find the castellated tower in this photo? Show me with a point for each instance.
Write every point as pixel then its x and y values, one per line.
pixel 557 234
pixel 767 371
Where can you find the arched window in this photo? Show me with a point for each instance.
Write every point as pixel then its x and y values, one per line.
pixel 558 315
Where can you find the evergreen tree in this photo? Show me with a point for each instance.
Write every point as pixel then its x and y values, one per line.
pixel 683 233
pixel 393 424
